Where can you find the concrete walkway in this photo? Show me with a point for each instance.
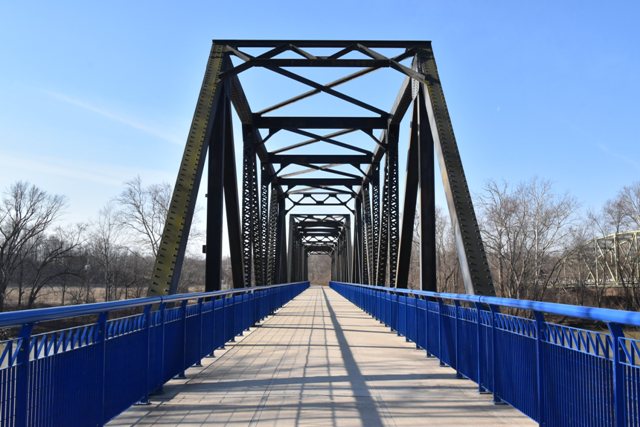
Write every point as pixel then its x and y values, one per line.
pixel 321 361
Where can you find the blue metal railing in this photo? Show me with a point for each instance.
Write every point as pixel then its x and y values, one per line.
pixel 557 375
pixel 88 374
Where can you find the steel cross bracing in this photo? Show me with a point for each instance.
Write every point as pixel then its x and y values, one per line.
pixel 297 161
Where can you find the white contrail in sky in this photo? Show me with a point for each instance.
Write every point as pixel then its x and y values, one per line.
pixel 128 121
pixel 624 159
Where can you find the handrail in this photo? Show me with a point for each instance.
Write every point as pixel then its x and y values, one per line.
pixel 107 364
pixel 16 318
pixel 555 374
pixel 623 317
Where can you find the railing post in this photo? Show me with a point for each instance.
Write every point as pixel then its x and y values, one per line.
pixel 183 313
pixel 213 327
pixel 457 338
pixel 162 311
pixel 618 375
pixel 426 326
pixel 240 327
pixel 256 307
pixel 440 315
pixel 406 317
pixel 232 317
pixel 200 331
pixel 101 348
pixel 144 400
pixel 480 346
pixel 494 353
pixel 223 316
pixel 22 376
pixel 541 327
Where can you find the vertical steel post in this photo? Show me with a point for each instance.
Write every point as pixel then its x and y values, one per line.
pixel 215 199
pixel 357 242
pixel 440 326
pixel 168 264
pixel 393 218
pixel 101 352
pixel 250 207
pixel 409 207
pixel 200 331
pixel 480 346
pixel 375 225
pixel 428 267
pixel 22 376
pixel 469 246
pixel 368 273
pixel 147 368
pixel 541 327
pixel 232 205
pixel 161 344
pixel 290 251
pixel 280 263
pixel 183 315
pixel 265 181
pixel 383 236
pixel 457 338
pixel 618 374
pixel 494 351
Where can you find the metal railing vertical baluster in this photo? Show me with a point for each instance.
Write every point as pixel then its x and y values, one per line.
pixel 144 400
pixel 618 374
pixel 456 358
pixel 494 353
pixel 541 327
pixel 22 376
pixel 480 347
pixel 162 324
pixel 440 334
pixel 101 350
pixel 183 319
pixel 200 331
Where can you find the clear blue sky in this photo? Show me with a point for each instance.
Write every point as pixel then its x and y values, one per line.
pixel 95 93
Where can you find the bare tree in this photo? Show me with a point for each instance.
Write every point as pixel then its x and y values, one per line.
pixel 526 231
pixel 46 265
pixel 629 203
pixel 143 211
pixel 106 249
pixel 319 269
pixel 616 236
pixel 26 213
pixel 448 269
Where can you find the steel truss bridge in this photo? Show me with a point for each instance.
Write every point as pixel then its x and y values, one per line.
pixel 325 183
pixel 608 261
pixel 343 161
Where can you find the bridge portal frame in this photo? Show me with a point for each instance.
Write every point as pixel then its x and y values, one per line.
pixel 381 244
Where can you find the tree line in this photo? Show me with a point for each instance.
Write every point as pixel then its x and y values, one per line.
pixel 45 263
pixel 541 246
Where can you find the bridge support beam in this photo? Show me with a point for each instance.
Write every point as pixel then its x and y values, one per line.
pixel 471 255
pixel 215 193
pixel 379 250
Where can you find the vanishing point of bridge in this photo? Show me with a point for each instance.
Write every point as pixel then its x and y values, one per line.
pixel 320 179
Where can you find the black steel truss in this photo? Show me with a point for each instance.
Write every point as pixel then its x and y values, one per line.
pixel 278 181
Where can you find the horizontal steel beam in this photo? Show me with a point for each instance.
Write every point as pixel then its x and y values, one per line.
pixel 292 182
pixel 314 250
pixel 320 224
pixel 402 44
pixel 292 122
pixel 347 159
pixel 320 62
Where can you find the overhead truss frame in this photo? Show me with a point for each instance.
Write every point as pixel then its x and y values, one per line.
pixel 371 241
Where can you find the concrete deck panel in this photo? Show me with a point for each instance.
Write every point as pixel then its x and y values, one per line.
pixel 321 361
